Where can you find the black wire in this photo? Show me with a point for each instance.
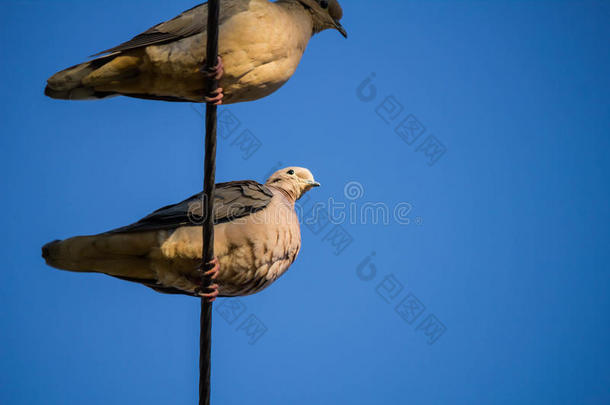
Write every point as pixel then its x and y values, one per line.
pixel 209 182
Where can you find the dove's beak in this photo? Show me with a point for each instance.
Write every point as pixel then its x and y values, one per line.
pixel 313 183
pixel 340 28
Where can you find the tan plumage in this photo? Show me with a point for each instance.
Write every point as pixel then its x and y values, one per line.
pixel 257 237
pixel 261 44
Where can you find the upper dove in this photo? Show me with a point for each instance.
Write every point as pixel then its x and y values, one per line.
pixel 260 46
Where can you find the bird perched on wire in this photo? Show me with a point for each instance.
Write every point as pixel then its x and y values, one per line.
pixel 257 237
pixel 260 46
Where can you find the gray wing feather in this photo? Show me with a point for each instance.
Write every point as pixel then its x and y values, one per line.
pixel 191 22
pixel 233 200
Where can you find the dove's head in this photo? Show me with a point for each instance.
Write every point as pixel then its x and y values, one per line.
pixel 294 181
pixel 326 14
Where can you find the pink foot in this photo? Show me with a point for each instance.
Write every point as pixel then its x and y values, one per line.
pixel 215 97
pixel 211 296
pixel 213 288
pixel 216 72
pixel 213 272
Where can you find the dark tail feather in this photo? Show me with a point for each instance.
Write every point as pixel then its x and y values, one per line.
pixel 67 84
pixel 122 255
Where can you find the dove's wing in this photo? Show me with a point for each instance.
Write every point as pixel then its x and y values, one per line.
pixel 190 22
pixel 232 200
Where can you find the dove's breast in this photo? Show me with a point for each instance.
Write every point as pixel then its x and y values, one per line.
pixel 261 50
pixel 261 54
pixel 253 251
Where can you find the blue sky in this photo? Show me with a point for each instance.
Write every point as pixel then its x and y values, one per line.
pixel 505 254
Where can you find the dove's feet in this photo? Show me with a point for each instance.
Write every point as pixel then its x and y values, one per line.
pixel 216 72
pixel 213 272
pixel 213 288
pixel 210 296
pixel 215 97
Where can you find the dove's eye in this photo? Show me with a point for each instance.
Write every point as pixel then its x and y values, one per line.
pixel 324 4
pixel 290 172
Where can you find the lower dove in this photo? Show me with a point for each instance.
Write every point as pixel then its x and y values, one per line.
pixel 256 238
pixel 260 46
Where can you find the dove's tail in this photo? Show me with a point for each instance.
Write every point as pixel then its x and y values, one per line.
pixel 87 80
pixel 115 254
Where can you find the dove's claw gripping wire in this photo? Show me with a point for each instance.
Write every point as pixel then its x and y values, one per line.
pixel 212 290
pixel 217 71
pixel 215 97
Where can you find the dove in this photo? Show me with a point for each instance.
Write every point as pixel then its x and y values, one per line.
pixel 256 238
pixel 260 46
